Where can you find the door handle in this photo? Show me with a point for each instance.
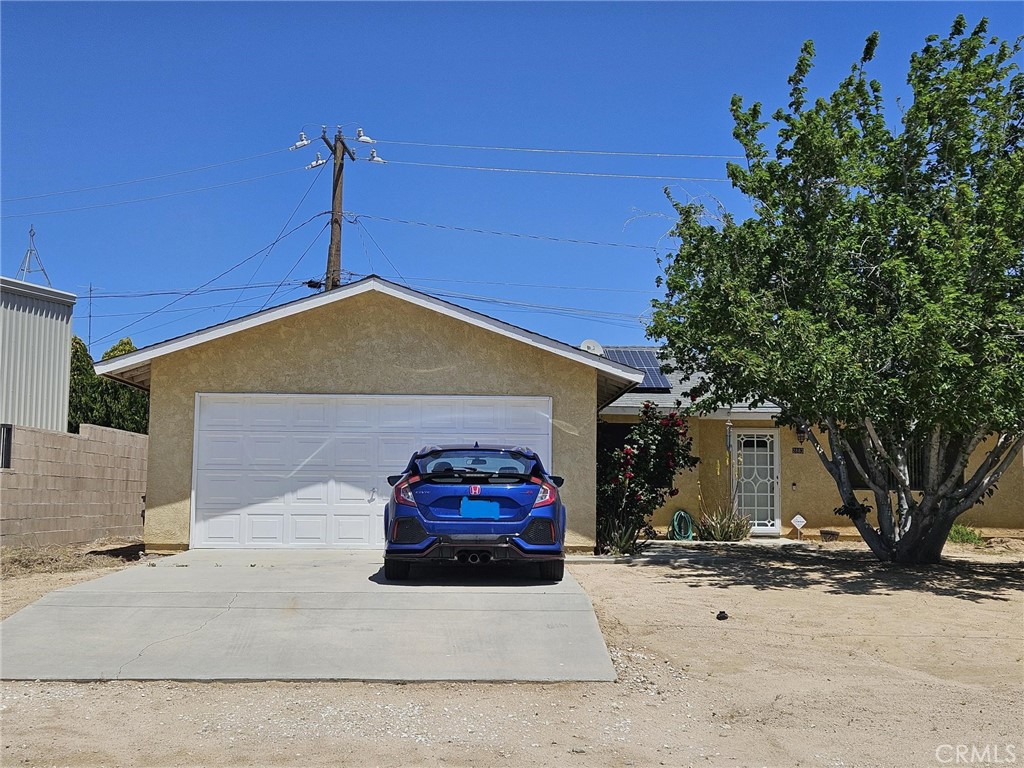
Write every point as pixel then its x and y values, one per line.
pixel 373 496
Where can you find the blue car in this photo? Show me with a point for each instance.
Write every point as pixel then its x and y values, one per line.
pixel 474 504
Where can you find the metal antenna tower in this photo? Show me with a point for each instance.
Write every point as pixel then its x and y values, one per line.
pixel 32 255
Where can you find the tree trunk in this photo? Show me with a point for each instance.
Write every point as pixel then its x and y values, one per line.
pixel 923 542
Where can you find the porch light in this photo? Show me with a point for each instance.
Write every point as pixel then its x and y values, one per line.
pixel 728 436
pixel 801 433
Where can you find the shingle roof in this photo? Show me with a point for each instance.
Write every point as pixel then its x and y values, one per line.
pixel 632 401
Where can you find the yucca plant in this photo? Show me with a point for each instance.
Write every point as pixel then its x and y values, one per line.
pixel 718 520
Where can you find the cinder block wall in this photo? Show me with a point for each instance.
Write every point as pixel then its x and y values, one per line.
pixel 69 489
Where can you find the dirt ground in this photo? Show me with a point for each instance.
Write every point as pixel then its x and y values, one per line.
pixel 826 659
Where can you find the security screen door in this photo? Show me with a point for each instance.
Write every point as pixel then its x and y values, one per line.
pixel 755 457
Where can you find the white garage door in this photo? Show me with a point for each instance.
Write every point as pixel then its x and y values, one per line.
pixel 310 470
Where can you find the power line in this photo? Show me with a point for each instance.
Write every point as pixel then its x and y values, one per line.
pixel 547 238
pixel 283 228
pixel 147 178
pixel 211 280
pixel 148 199
pixel 197 312
pixel 296 264
pixel 686 155
pixel 294 283
pixel 386 258
pixel 520 285
pixel 554 173
pixel 182 291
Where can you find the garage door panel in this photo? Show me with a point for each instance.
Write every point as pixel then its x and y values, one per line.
pixel 308 528
pixel 219 449
pixel 222 413
pixel 311 451
pixel 264 529
pixel 268 413
pixel 222 489
pixel 223 528
pixel 306 490
pixel 350 529
pixel 352 488
pixel 354 452
pixel 311 415
pixel 439 417
pixel 355 415
pixel 479 417
pixel 394 452
pixel 307 470
pixel 399 416
pixel 268 451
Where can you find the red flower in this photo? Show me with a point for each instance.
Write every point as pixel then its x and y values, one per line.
pixel 629 475
pixel 627 450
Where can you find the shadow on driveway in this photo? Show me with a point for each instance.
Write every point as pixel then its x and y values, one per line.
pixel 847 572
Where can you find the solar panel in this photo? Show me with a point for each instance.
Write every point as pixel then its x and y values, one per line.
pixel 645 360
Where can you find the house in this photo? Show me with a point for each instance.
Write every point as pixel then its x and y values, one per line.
pixel 35 355
pixel 771 473
pixel 279 429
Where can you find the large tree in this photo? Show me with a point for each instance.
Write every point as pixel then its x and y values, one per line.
pixel 875 294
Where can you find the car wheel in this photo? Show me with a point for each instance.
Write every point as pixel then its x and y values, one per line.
pixel 552 570
pixel 396 570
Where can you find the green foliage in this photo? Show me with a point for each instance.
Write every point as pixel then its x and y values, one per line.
pixel 721 523
pixel 82 394
pixel 719 520
pixel 877 289
pixel 964 534
pixel 105 403
pixel 633 481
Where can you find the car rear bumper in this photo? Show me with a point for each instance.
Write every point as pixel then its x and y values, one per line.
pixel 462 547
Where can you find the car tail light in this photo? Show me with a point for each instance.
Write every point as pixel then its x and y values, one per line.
pixel 546 495
pixel 403 492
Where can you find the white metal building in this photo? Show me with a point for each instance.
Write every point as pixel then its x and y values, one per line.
pixel 35 354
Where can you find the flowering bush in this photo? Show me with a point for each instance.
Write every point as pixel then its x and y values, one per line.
pixel 635 480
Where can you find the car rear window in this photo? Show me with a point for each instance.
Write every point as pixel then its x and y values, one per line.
pixel 473 460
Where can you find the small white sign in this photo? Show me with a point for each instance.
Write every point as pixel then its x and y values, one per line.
pixel 798 522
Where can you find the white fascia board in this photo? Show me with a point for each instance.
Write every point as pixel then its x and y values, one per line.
pixel 745 414
pixel 123 363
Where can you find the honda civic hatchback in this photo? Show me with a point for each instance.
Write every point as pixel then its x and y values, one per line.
pixel 474 504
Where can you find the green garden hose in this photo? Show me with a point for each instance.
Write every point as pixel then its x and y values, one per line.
pixel 682 526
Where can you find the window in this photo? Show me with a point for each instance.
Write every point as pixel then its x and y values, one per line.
pixel 6 436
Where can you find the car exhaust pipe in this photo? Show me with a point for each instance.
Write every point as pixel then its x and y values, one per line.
pixel 485 557
pixel 474 558
pixel 462 557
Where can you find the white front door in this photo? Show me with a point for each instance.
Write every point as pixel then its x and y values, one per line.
pixel 755 460
pixel 311 470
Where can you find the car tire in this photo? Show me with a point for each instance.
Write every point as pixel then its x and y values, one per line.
pixel 396 570
pixel 552 570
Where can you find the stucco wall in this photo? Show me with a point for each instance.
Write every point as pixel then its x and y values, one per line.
pixel 806 487
pixel 367 344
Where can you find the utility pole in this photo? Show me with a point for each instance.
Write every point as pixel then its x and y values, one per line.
pixel 339 149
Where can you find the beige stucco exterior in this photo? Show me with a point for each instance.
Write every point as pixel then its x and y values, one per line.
pixel 370 343
pixel 806 487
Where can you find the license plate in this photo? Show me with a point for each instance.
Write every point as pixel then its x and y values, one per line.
pixel 479 510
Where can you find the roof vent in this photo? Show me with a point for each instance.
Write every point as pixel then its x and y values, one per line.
pixel 591 346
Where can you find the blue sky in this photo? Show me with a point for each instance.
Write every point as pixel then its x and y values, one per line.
pixel 94 94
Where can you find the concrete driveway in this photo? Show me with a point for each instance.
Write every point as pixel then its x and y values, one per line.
pixel 305 615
